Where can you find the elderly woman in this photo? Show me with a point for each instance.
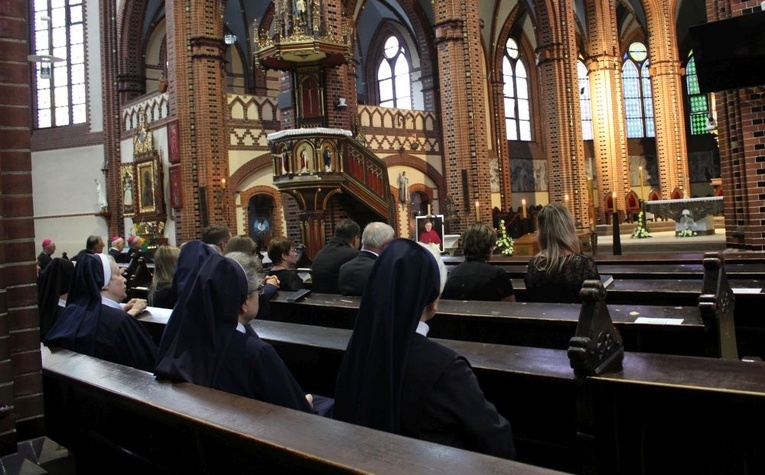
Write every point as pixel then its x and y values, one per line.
pixel 393 378
pixel 557 272
pixel 284 255
pixel 96 324
pixel 215 346
pixel 476 279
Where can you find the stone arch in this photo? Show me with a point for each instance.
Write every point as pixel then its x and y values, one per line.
pixel 246 195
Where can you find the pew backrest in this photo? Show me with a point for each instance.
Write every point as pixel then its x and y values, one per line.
pixel 122 416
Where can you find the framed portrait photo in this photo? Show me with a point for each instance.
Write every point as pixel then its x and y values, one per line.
pixel 127 185
pixel 147 187
pixel 430 230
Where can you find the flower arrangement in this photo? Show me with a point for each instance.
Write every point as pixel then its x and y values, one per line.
pixel 641 231
pixel 687 232
pixel 504 242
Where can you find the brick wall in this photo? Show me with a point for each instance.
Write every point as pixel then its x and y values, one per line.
pixel 20 377
pixel 741 127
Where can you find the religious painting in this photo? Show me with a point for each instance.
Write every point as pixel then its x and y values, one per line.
pixel 703 166
pixel 127 182
pixel 304 158
pixel 310 100
pixel 173 143
pixel 176 190
pixel 147 189
pixel 540 175
pixel 494 175
pixel 430 230
pixel 522 175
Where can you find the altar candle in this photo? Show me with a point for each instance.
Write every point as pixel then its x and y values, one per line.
pixel 523 208
pixel 428 209
pixel 640 172
pixel 616 207
pixel 477 212
pixel 566 200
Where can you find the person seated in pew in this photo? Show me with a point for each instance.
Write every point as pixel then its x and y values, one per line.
pixel 52 290
pixel 393 378
pixel 270 284
pixel 343 247
pixel 354 273
pixel 216 347
pixel 283 254
pixel 557 272
pixel 96 324
pixel 161 288
pixel 117 246
pixel 475 278
pixel 246 245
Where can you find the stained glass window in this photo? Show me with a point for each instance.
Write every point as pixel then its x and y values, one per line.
pixel 699 105
pixel 393 81
pixel 516 92
pixel 59 42
pixel 638 98
pixel 585 103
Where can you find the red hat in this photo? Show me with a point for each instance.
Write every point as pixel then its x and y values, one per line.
pixel 116 238
pixel 131 239
pixel 47 242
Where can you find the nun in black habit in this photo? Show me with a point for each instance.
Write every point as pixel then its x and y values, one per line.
pixel 212 344
pixel 393 378
pixel 95 324
pixel 52 292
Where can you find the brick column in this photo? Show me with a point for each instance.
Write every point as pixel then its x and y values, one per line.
pixel 462 102
pixel 557 53
pixel 667 88
pixel 196 77
pixel 608 122
pixel 20 376
pixel 741 128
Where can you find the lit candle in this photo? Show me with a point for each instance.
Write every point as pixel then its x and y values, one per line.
pixel 523 208
pixel 566 200
pixel 477 212
pixel 428 209
pixel 616 207
pixel 640 172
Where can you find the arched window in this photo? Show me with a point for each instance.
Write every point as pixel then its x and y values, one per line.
pixel 585 104
pixel 698 102
pixel 638 99
pixel 59 39
pixel 517 104
pixel 393 82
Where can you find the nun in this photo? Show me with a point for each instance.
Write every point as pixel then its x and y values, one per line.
pixel 394 379
pixel 96 324
pixel 52 290
pixel 213 344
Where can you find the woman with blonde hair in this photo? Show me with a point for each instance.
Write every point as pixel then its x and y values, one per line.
pixel 557 272
pixel 160 291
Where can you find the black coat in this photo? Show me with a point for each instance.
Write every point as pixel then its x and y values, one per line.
pixel 441 402
pixel 354 273
pixel 326 265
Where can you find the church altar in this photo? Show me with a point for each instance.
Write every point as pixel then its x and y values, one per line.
pixel 695 214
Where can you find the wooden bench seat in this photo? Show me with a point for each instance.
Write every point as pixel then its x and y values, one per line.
pixel 658 414
pixel 118 419
pixel 549 325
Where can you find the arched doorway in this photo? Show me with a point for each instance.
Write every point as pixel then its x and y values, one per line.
pixel 260 210
pixel 419 202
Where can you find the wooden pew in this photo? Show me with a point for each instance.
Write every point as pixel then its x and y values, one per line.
pixel 691 331
pixel 658 414
pixel 121 420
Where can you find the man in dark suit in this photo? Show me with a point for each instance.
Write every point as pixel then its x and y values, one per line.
pixel 340 249
pixel 354 273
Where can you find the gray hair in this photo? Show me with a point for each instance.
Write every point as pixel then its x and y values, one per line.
pixel 249 265
pixel 376 235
